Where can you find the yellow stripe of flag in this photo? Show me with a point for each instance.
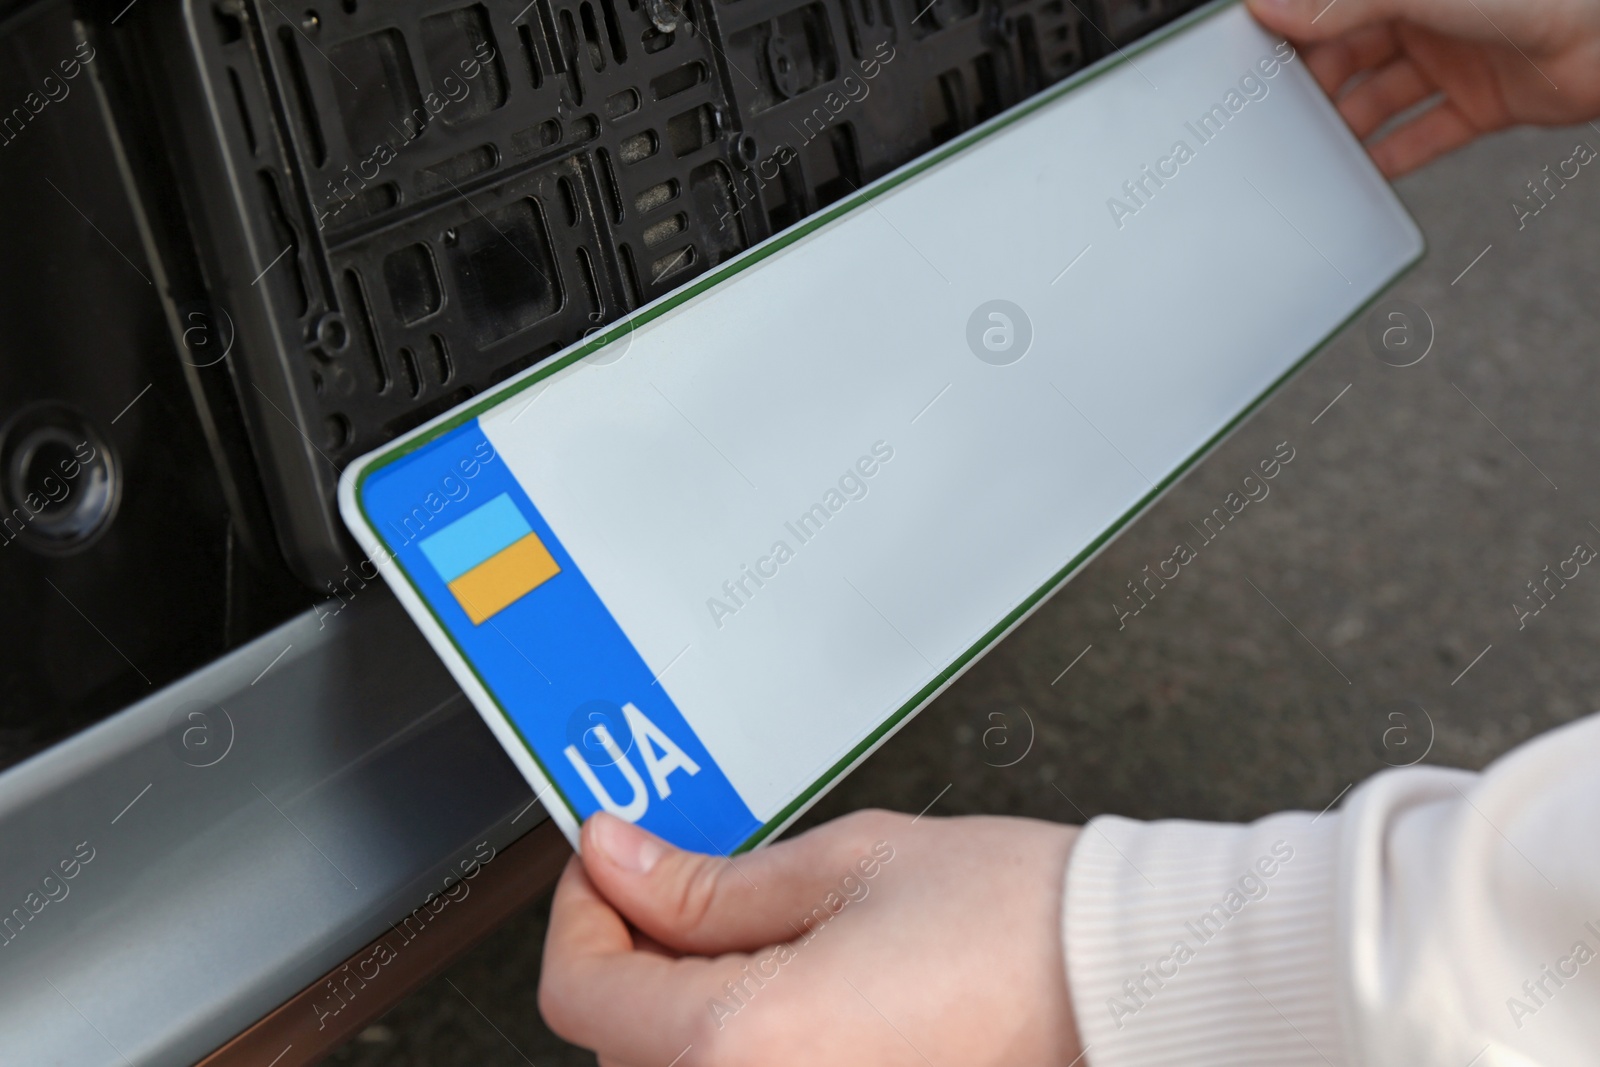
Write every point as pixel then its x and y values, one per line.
pixel 504 577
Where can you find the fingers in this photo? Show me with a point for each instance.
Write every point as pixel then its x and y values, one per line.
pixel 1335 62
pixel 1393 89
pixel 591 978
pixel 1321 20
pixel 643 942
pixel 1324 20
pixel 714 904
pixel 581 920
pixel 1440 130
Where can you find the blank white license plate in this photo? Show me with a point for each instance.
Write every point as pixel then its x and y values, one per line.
pixel 694 570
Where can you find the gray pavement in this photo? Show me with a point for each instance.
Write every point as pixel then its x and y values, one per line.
pixel 1380 575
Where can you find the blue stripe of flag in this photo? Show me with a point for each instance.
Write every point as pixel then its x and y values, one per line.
pixel 475 537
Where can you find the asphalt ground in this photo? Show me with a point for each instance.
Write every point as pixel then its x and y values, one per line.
pixel 1368 612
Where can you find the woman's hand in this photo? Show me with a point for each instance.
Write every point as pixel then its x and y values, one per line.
pixel 1497 63
pixel 876 939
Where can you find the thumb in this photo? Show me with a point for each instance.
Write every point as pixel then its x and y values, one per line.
pixel 708 905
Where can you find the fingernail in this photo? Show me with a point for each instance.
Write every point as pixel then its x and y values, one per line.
pixel 624 844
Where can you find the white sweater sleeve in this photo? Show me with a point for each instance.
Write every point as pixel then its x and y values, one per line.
pixel 1438 919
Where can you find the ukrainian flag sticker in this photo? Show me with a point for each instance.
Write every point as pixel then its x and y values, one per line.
pixel 490 558
pixel 596 723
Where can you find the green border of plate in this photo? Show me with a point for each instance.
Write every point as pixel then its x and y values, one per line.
pixel 376 461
